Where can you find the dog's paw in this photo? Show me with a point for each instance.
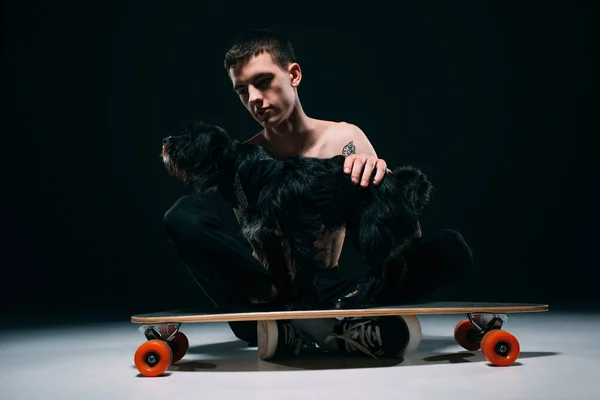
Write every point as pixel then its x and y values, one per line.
pixel 352 300
pixel 362 296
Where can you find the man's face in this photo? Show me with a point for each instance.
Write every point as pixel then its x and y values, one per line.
pixel 264 88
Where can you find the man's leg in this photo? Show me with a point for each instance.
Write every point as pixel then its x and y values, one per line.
pixel 439 268
pixel 206 234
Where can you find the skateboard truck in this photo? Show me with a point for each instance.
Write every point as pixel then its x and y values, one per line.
pixel 485 322
pixel 164 332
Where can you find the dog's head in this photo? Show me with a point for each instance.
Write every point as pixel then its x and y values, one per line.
pixel 200 155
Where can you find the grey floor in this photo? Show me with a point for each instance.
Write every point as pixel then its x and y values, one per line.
pixel 560 359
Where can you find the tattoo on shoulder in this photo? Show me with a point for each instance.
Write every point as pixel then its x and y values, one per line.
pixel 349 149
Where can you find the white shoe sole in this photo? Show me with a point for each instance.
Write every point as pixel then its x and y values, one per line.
pixel 414 331
pixel 267 334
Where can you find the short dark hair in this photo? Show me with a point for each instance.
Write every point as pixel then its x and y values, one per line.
pixel 258 41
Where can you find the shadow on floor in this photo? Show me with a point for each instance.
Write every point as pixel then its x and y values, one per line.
pixel 236 356
pixel 534 354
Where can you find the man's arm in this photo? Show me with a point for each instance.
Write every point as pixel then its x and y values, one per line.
pixel 365 161
pixel 361 157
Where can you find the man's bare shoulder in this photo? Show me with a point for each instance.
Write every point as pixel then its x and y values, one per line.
pixel 348 138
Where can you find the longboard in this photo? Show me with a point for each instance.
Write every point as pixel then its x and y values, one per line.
pixel 481 330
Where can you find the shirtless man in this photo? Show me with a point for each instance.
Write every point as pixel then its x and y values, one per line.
pixel 265 75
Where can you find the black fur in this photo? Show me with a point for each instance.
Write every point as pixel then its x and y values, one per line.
pixel 299 198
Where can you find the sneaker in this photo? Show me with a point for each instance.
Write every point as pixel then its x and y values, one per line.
pixel 280 338
pixel 377 337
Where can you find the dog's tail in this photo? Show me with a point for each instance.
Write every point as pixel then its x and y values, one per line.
pixel 416 187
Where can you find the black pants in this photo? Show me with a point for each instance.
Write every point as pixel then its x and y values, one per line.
pixel 206 234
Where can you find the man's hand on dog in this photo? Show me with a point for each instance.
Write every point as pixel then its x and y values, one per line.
pixel 365 163
pixel 354 164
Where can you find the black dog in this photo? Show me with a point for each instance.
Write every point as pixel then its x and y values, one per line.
pixel 297 199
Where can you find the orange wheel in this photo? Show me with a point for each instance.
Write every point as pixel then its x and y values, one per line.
pixel 180 345
pixel 500 347
pixel 153 357
pixel 464 334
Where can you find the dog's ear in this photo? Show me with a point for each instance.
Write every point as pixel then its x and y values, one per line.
pixel 197 126
pixel 417 186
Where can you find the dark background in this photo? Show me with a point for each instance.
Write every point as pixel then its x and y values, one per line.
pixel 492 101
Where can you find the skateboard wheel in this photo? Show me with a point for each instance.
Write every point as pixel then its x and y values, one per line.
pixel 153 358
pixel 465 335
pixel 500 347
pixel 179 345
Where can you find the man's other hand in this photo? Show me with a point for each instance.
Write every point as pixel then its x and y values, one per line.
pixel 361 167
